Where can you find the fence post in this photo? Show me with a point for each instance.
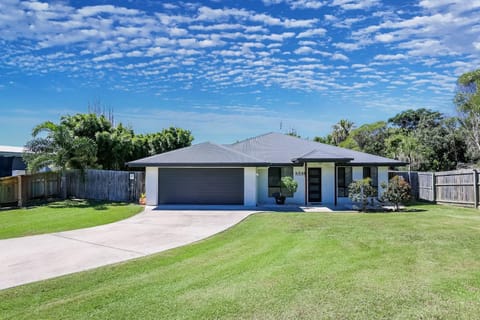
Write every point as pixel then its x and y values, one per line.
pixel 63 185
pixel 475 188
pixel 434 189
pixel 20 193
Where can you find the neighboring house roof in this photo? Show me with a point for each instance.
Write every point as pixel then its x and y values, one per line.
pixel 264 150
pixel 10 151
pixel 203 154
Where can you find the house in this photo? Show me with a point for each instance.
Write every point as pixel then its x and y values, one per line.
pixel 11 161
pixel 249 172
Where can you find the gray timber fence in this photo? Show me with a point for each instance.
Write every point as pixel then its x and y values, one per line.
pixel 459 187
pixel 106 185
pixel 92 184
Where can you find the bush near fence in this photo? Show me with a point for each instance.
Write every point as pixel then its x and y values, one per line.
pixel 459 187
pixel 92 184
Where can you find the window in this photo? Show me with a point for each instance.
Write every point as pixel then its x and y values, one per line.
pixel 372 173
pixel 275 175
pixel 344 178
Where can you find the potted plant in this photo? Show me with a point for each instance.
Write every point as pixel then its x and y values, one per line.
pixel 143 199
pixel 287 184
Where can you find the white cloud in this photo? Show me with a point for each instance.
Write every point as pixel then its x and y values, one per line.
pixel 426 47
pixel 212 49
pixel 297 4
pixel 94 10
pixel 384 37
pixel 339 56
pixel 347 46
pixel 177 32
pixel 456 5
pixel 304 50
pixel 384 57
pixel 312 33
pixel 355 4
pixel 115 55
pixel 34 5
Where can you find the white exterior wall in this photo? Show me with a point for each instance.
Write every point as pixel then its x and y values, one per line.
pixel 256 184
pixel 250 187
pixel 262 187
pixel 382 178
pixel 151 185
pixel 357 174
pixel 299 196
pixel 328 180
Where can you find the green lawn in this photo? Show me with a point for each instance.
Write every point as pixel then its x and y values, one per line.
pixel 61 216
pixel 415 265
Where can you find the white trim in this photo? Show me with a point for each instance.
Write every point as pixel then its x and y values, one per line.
pixel 151 185
pixel 250 186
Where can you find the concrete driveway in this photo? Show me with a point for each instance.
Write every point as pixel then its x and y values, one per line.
pixel 29 259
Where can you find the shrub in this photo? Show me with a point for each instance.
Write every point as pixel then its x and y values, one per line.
pixel 289 184
pixel 361 191
pixel 397 191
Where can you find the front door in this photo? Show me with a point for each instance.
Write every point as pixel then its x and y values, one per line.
pixel 314 185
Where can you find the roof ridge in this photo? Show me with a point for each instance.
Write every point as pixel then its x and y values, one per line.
pixel 169 151
pixel 251 138
pixel 306 154
pixel 352 150
pixel 238 152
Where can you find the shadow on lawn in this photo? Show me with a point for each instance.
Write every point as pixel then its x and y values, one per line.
pixel 80 203
pixel 419 206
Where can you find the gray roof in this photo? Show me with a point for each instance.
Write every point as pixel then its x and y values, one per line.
pixel 278 148
pixel 264 150
pixel 202 154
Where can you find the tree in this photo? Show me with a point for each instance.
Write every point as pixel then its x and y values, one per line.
pixel 86 124
pixel 327 139
pixel 467 101
pixel 362 191
pixel 405 147
pixel 369 138
pixel 397 191
pixel 442 145
pixel 168 140
pixel 410 119
pixel 59 149
pixel 341 131
pixel 114 145
pixel 70 143
pixel 121 147
pixel 427 139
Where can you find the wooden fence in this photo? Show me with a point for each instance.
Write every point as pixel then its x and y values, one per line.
pixel 8 190
pixel 92 184
pixel 455 187
pixel 106 185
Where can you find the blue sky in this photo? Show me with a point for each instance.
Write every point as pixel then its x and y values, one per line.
pixel 228 70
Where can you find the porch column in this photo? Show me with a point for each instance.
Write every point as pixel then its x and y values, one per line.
pixel 151 185
pixel 250 186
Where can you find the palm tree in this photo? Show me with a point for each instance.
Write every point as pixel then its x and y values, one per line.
pixel 341 130
pixel 58 149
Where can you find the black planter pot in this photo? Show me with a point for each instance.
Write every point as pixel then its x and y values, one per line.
pixel 280 200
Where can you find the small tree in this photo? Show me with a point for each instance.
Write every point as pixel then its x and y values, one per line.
pixel 397 191
pixel 361 191
pixel 289 184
